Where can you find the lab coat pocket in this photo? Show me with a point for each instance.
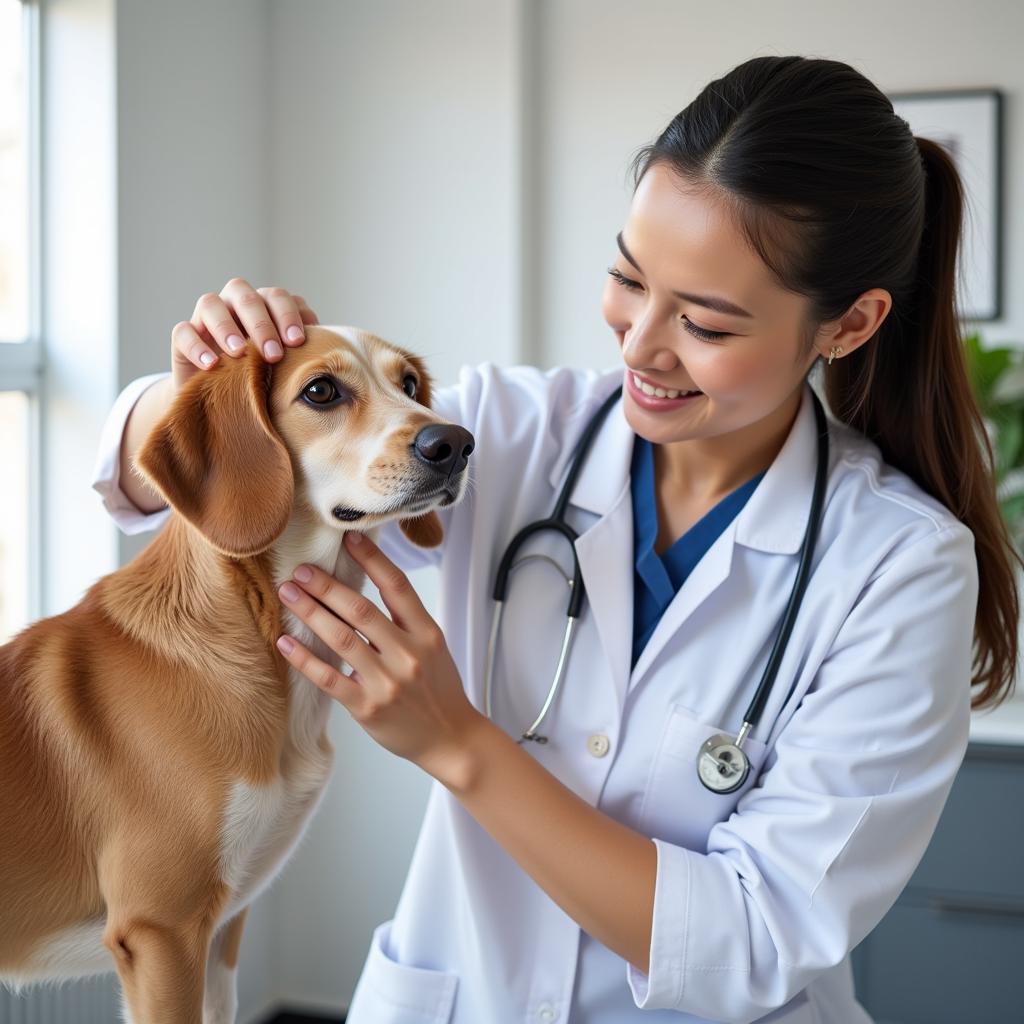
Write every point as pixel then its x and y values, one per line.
pixel 677 806
pixel 390 992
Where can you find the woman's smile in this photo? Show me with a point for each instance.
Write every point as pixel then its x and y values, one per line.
pixel 657 399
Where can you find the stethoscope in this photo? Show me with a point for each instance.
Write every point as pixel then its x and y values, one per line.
pixel 722 765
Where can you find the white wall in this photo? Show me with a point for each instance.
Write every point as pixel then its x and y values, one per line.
pixel 451 175
pixel 394 200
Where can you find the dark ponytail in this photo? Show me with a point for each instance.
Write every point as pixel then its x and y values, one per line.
pixel 836 195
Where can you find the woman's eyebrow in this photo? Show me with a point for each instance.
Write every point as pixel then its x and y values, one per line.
pixel 714 302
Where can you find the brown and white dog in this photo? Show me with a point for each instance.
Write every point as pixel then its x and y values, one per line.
pixel 159 759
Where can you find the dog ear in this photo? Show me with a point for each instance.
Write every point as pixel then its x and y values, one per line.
pixel 424 531
pixel 218 461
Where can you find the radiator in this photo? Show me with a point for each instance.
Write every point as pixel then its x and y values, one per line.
pixel 94 1000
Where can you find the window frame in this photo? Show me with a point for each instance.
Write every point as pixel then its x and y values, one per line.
pixel 22 363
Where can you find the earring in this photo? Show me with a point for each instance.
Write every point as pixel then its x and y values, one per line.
pixel 833 352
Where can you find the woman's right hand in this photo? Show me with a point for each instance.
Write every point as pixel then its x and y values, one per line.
pixel 268 316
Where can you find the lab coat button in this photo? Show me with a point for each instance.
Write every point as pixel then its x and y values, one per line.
pixel 598 744
pixel 546 1012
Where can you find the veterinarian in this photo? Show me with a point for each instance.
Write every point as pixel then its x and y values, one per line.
pixel 584 870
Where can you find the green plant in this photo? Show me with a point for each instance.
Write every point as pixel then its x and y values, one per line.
pixel 997 376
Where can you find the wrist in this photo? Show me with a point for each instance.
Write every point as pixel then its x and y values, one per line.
pixel 458 766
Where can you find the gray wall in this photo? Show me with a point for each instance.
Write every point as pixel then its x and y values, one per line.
pixel 451 175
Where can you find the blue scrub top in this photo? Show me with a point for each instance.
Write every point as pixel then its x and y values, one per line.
pixel 656 578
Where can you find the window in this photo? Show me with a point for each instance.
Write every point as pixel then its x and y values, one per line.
pixel 20 348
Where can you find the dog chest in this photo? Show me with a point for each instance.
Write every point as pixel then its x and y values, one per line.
pixel 263 823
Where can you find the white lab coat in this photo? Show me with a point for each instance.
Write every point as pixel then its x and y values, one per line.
pixel 762 893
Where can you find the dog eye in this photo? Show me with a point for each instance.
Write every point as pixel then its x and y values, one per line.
pixel 321 392
pixel 409 385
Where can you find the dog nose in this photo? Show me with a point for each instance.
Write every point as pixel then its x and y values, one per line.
pixel 444 447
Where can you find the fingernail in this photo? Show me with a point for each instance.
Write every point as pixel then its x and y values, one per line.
pixel 272 349
pixel 294 332
pixel 303 573
pixel 355 536
pixel 234 343
pixel 290 592
pixel 286 644
pixel 206 359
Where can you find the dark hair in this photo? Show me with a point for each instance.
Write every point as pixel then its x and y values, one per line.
pixel 836 195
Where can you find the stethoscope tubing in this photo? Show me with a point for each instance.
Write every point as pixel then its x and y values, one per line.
pixel 577 588
pixel 730 764
pixel 754 711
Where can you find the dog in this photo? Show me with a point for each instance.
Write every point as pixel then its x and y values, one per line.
pixel 159 758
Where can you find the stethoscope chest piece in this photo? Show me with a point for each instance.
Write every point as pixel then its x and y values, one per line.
pixel 721 764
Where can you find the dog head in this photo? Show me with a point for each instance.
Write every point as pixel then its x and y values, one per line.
pixel 341 426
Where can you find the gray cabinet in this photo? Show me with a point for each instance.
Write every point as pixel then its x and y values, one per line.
pixel 951 950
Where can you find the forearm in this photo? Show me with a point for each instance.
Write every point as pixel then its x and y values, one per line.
pixel 599 871
pixel 151 406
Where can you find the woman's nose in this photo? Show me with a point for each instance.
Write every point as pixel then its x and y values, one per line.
pixel 644 342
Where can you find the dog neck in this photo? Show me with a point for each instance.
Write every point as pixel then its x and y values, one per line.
pixel 308 539
pixel 195 604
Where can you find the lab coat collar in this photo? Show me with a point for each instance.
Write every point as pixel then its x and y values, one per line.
pixel 775 517
pixel 772 520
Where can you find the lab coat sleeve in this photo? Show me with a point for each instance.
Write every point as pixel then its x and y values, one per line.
pixel 106 475
pixel 819 850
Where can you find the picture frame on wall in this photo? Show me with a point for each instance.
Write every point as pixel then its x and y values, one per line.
pixel 968 124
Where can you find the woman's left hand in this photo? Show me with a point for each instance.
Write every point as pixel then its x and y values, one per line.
pixel 404 690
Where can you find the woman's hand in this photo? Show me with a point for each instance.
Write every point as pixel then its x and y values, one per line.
pixel 404 690
pixel 269 316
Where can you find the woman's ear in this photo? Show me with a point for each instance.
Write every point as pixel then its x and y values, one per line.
pixel 424 531
pixel 218 461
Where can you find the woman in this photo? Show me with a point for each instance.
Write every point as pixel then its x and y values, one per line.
pixel 786 217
